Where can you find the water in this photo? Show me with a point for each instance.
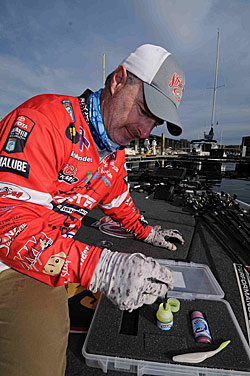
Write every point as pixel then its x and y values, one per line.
pixel 239 186
pixel 228 166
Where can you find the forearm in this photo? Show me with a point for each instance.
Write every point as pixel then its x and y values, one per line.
pixel 38 249
pixel 129 217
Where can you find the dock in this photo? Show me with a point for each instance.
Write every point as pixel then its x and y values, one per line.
pixel 232 166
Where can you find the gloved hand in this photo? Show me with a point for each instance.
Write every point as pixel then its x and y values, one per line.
pixel 130 280
pixel 157 237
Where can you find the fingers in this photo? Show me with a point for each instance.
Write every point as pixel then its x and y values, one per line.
pixel 149 295
pixel 173 235
pixel 160 273
pixel 148 299
pixel 175 231
pixel 154 283
pixel 168 245
pixel 145 299
pixel 156 289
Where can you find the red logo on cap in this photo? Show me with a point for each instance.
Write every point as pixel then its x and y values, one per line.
pixel 178 86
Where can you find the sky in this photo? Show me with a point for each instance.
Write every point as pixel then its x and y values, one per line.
pixel 57 46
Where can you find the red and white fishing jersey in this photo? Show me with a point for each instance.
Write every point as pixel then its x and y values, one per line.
pixel 51 176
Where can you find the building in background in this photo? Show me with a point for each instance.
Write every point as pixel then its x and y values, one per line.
pixel 164 146
pixel 245 146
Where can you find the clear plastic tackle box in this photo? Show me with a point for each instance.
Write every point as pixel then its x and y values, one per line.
pixel 193 283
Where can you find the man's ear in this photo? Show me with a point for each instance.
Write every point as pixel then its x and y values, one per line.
pixel 119 79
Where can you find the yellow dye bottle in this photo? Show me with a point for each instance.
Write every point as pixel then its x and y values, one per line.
pixel 164 317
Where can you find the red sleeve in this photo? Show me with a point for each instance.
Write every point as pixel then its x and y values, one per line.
pixel 120 206
pixel 37 249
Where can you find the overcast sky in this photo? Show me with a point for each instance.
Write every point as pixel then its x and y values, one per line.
pixel 57 46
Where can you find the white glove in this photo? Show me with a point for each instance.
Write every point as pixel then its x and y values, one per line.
pixel 157 237
pixel 130 280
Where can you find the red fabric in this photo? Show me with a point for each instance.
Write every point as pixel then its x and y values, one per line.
pixel 50 177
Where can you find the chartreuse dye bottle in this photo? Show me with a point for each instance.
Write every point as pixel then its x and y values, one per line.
pixel 164 317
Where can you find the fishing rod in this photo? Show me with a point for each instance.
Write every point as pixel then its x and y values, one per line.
pixel 232 203
pixel 230 230
pixel 213 205
pixel 228 212
pixel 237 230
pixel 192 203
pixel 201 204
pixel 239 221
pixel 235 257
pixel 235 207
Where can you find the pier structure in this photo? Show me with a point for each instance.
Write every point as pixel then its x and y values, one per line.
pixel 231 166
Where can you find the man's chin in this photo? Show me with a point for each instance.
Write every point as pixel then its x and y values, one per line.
pixel 122 141
pixel 123 138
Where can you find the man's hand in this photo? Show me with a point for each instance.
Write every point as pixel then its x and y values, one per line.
pixel 130 280
pixel 164 238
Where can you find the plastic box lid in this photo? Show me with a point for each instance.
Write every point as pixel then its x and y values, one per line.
pixel 186 276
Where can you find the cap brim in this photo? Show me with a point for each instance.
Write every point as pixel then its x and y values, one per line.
pixel 162 107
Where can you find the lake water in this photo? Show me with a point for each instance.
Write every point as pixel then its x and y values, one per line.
pixel 239 186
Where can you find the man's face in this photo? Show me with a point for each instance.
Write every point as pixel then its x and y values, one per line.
pixel 125 114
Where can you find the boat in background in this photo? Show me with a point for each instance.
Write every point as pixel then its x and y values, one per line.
pixel 208 145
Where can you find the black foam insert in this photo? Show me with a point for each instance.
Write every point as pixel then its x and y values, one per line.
pixel 145 341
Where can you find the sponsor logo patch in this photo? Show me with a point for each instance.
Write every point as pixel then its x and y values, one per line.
pixel 15 166
pixel 10 146
pixel 68 175
pixel 69 108
pixel 19 134
pixel 80 158
pixel 75 137
pixel 69 209
pixel 73 205
pixel 72 134
pixel 8 190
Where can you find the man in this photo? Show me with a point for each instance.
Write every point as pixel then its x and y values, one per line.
pixel 60 157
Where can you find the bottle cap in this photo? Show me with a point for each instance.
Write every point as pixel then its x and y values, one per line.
pixel 197 314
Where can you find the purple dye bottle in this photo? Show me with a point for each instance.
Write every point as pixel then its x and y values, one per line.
pixel 200 328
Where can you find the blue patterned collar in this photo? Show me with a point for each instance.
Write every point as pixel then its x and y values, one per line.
pixel 96 124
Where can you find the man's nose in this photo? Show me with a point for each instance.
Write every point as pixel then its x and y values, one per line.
pixel 145 128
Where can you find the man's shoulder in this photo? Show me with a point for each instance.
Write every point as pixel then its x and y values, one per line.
pixel 55 107
pixel 48 100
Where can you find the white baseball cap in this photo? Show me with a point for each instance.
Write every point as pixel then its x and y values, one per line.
pixel 163 82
